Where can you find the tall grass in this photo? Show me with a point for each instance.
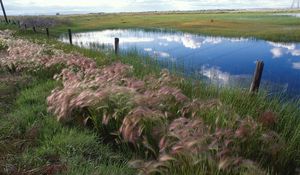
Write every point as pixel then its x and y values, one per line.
pixel 32 142
pixel 192 127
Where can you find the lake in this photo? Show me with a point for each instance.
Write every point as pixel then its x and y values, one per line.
pixel 218 60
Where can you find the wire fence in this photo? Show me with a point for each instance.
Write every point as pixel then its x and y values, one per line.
pixel 47 32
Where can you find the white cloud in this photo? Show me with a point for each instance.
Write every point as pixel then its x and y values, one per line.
pixel 187 40
pixel 161 54
pixel 295 52
pixel 147 49
pixel 296 65
pixel 283 45
pixel 277 52
pixel 194 42
pixel 215 74
pixel 280 49
pixel 23 6
pixel 107 38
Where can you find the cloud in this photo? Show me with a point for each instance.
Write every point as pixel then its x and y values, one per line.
pixel 194 42
pixel 148 49
pixel 34 6
pixel 161 54
pixel 283 45
pixel 215 74
pixel 107 38
pixel 295 52
pixel 187 40
pixel 296 65
pixel 279 49
pixel 277 52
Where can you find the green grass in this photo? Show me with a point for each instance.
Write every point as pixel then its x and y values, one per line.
pixel 237 104
pixel 259 24
pixel 31 140
pixel 7 91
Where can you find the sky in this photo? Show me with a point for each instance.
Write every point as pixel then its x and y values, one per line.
pixel 21 7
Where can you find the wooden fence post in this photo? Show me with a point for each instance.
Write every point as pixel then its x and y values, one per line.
pixel 4 13
pixel 117 41
pixel 257 76
pixel 47 32
pixel 34 29
pixel 25 26
pixel 70 36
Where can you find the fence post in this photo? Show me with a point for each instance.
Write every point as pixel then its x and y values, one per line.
pixel 47 32
pixel 257 76
pixel 4 13
pixel 34 30
pixel 25 26
pixel 117 40
pixel 70 36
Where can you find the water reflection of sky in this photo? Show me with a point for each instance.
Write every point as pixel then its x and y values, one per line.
pixel 297 15
pixel 224 61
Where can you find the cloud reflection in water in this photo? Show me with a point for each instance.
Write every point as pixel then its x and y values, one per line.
pixel 227 61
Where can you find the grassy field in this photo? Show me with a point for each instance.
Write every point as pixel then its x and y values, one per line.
pixel 33 142
pixel 262 133
pixel 165 123
pixel 261 25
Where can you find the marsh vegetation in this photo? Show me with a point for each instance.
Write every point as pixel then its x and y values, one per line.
pixel 79 111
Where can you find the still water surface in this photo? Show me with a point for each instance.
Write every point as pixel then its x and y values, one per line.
pixel 297 15
pixel 219 60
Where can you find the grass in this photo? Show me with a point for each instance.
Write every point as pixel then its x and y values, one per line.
pixel 56 139
pixel 259 24
pixel 8 90
pixel 33 142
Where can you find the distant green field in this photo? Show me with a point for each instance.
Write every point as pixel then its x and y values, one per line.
pixel 261 25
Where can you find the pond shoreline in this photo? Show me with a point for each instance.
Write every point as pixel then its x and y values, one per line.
pixel 191 108
pixel 201 55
